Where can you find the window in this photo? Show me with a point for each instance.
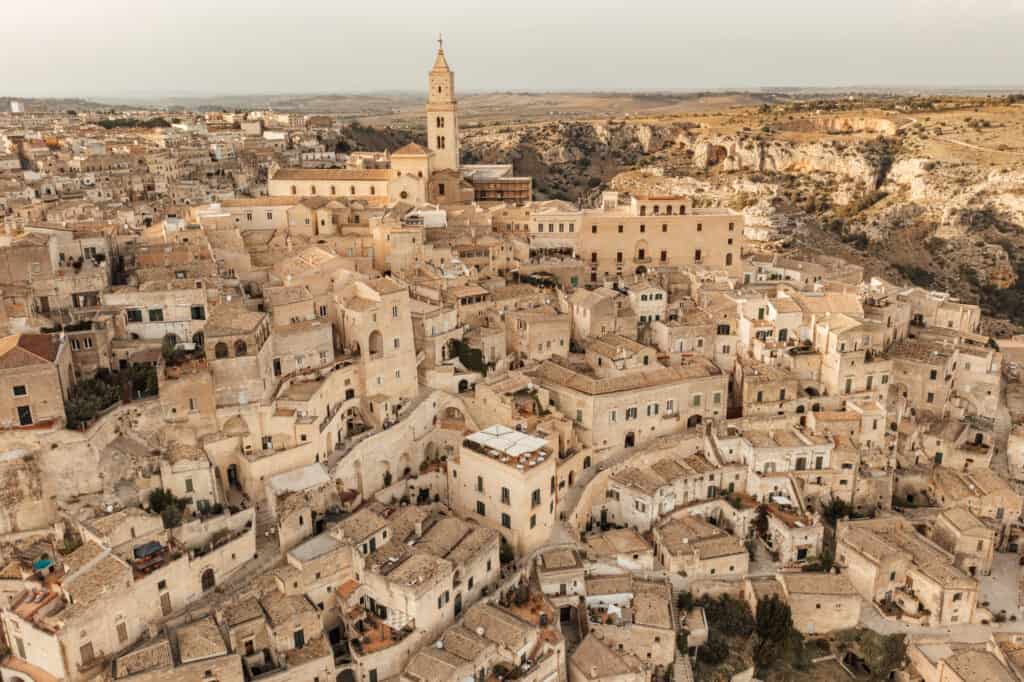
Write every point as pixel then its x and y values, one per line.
pixel 533 521
pixel 85 653
pixel 696 256
pixel 930 398
pixel 440 188
pixel 630 413
pixel 133 315
pixel 479 484
pixel 122 632
pixel 198 312
pixel 506 496
pixel 696 400
pixel 20 389
pixel 481 509
pixel 156 315
pixel 535 498
pixel 189 487
pixel 506 521
pixel 664 256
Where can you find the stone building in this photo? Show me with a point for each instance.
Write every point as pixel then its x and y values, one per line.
pixel 35 379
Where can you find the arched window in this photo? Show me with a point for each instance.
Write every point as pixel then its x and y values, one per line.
pixel 240 348
pixel 376 343
pixel 682 210
pixel 668 209
pixel 294 190
pixel 312 189
pixel 221 350
pixel 333 192
pixel 373 189
pixel 352 190
pixel 657 210
pixel 728 259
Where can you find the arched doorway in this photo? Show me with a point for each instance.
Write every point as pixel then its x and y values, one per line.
pixel 630 440
pixel 208 580
pixel 220 350
pixel 694 421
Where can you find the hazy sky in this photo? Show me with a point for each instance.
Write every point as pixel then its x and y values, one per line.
pixel 129 47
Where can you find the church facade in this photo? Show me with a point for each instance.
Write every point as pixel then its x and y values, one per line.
pixel 414 173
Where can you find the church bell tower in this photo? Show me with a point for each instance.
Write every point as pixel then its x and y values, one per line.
pixel 442 116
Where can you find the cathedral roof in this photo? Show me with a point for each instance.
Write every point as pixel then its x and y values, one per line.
pixel 411 149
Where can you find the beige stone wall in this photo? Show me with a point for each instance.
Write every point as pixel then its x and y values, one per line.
pixel 44 392
pixel 475 478
pixel 821 613
pixel 322 188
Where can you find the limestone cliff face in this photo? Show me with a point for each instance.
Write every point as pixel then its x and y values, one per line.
pixel 962 223
pixel 747 154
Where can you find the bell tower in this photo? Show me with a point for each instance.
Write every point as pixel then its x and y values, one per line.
pixel 442 116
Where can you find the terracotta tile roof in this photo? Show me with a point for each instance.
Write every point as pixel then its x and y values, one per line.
pixel 22 350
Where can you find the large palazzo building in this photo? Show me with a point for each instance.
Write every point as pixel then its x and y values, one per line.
pixel 413 173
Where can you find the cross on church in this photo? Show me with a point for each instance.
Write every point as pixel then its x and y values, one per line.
pixel 440 42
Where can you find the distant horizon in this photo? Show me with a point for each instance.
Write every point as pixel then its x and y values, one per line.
pixel 118 49
pixel 863 89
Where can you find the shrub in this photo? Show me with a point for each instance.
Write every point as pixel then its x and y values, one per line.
pixel 87 399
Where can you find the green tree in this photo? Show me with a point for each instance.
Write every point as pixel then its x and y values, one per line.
pixel 835 509
pixel 714 651
pixel 728 615
pixel 775 633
